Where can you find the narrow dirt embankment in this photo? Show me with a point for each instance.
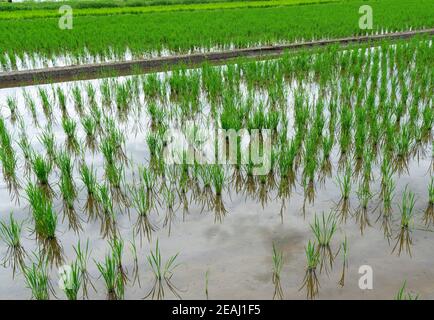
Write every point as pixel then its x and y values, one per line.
pixel 94 71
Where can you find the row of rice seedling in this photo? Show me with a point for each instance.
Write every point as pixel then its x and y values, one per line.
pixel 38 42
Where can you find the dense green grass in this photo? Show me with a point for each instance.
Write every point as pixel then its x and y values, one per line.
pixel 38 12
pixel 182 31
pixel 98 4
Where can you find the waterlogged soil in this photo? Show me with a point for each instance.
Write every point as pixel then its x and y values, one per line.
pixel 237 251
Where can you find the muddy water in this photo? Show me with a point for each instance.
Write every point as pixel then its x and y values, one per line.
pixel 237 252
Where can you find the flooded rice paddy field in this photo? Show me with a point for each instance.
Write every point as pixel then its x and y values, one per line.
pixel 350 180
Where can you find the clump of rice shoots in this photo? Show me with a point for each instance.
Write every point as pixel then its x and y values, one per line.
pixel 162 274
pixel 42 169
pixel 141 203
pixel 37 279
pixel 324 228
pixel 218 179
pixel 70 129
pixel 10 234
pixel 112 279
pixel 45 222
pixel 88 177
pixel 71 281
pixel 343 206
pixel 106 207
pixel 82 258
pixel 364 195
pixel 403 239
pixel 8 159
pixel 90 127
pixel 310 281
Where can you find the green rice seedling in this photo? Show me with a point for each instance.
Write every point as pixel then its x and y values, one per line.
pixel 89 126
pixel 427 119
pixel 82 258
pixel 141 203
pixel 71 281
pixel 218 179
pixel 42 169
pixel 12 105
pixel 403 146
pixel 88 177
pixel 310 281
pixel 344 183
pixel 403 295
pixel 96 114
pixel 10 234
pixel 69 194
pixel 108 150
pixel 8 158
pixel 91 93
pixel 9 164
pixel 70 128
pixel 49 142
pixel 114 175
pixel 105 203
pixel 135 272
pixel 65 164
pixel 387 197
pixel 324 228
pixel 42 210
pixel 404 240
pixel 31 106
pixel 429 212
pixel 61 100
pixel 112 278
pixel 277 269
pixel 344 248
pixel 105 90
pixel 148 177
pixel 26 149
pixel 327 146
pixel 364 195
pixel 162 274
pixel 168 197
pixel 37 279
pixel 117 246
pixel 46 103
pixel 78 99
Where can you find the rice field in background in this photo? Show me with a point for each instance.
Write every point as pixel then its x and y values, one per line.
pixel 38 42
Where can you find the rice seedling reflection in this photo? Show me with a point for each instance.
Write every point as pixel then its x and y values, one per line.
pixel 344 248
pixel 277 269
pixel 428 217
